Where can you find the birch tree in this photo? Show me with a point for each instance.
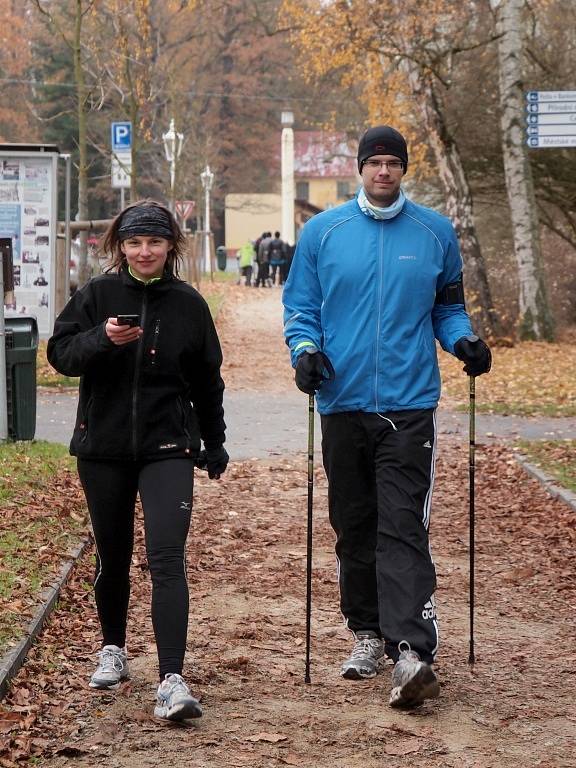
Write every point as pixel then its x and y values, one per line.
pixel 70 29
pixel 405 54
pixel 535 318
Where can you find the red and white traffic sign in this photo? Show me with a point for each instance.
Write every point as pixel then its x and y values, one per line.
pixel 185 208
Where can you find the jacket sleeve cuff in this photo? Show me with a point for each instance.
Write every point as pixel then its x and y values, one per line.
pixel 215 441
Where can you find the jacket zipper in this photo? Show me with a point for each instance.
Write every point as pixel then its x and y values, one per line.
pixel 380 287
pixel 136 380
pixel 155 339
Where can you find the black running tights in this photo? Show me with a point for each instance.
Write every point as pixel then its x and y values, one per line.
pixel 165 489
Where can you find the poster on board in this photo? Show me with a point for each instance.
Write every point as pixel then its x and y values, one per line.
pixel 28 216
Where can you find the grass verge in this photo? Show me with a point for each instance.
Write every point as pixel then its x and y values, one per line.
pixel 42 518
pixel 555 457
pixel 529 379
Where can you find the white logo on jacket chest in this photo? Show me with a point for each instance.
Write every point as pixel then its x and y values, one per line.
pixel 406 258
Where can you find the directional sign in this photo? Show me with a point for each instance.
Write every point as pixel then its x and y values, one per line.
pixel 551 119
pixel 553 142
pixel 121 134
pixel 555 107
pixel 555 119
pixel 121 170
pixel 552 130
pixel 185 208
pixel 533 96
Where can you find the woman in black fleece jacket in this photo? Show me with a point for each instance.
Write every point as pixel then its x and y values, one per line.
pixel 150 391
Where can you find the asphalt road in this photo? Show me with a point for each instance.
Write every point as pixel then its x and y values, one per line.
pixel 263 425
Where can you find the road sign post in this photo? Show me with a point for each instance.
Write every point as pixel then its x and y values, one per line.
pixel 184 209
pixel 121 141
pixel 551 119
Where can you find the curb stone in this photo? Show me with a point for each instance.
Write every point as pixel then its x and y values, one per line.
pixel 548 483
pixel 14 659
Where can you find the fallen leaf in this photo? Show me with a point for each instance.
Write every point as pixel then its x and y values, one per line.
pixel 273 738
pixel 403 747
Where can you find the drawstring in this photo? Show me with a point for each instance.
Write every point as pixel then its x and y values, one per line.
pixel 394 427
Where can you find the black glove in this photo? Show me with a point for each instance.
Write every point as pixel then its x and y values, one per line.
pixel 475 353
pixel 215 460
pixel 310 371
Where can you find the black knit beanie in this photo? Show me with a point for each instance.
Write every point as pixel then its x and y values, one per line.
pixel 382 140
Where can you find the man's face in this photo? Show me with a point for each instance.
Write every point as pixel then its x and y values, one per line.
pixel 381 179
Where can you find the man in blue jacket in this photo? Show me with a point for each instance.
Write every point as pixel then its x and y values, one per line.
pixel 373 284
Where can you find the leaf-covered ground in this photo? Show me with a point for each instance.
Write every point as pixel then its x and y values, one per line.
pixel 529 379
pixel 42 520
pixel 246 562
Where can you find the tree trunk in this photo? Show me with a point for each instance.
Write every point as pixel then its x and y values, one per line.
pixel 83 266
pixel 535 319
pixel 459 207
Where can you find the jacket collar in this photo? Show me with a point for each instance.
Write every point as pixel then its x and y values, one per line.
pixel 160 284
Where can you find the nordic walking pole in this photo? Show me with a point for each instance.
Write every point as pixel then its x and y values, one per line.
pixel 309 535
pixel 472 462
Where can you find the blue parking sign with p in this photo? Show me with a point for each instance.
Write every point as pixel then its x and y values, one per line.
pixel 121 136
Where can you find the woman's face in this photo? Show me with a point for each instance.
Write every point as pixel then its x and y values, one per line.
pixel 146 255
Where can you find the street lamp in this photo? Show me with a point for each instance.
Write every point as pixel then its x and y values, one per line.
pixel 287 175
pixel 207 178
pixel 172 148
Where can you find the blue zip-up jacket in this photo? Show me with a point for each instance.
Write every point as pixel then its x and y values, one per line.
pixel 363 291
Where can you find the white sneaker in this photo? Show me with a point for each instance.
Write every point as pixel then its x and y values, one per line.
pixel 173 700
pixel 112 668
pixel 413 680
pixel 365 657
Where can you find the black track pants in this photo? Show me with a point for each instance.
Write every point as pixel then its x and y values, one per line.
pixel 165 489
pixel 380 472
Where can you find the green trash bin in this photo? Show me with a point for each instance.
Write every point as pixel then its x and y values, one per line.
pixel 21 336
pixel 221 257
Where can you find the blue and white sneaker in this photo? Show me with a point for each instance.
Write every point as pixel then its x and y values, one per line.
pixel 174 701
pixel 112 668
pixel 366 656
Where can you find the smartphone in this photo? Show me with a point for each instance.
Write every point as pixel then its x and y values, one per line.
pixel 131 320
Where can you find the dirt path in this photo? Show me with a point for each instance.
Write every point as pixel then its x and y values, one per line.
pixel 255 356
pixel 246 563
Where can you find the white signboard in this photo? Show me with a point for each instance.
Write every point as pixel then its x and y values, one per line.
pixel 121 170
pixel 552 130
pixel 554 107
pixel 28 215
pixel 553 142
pixel 533 96
pixel 555 119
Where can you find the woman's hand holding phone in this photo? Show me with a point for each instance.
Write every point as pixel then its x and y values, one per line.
pixel 123 329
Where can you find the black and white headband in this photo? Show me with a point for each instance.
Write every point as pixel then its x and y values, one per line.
pixel 145 220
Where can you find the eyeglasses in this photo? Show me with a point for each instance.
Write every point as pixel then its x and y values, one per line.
pixel 391 165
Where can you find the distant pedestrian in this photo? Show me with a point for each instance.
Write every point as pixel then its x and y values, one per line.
pixel 145 347
pixel 246 255
pixel 263 259
pixel 288 256
pixel 277 250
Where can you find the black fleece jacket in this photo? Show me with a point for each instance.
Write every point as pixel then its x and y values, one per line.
pixel 152 398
